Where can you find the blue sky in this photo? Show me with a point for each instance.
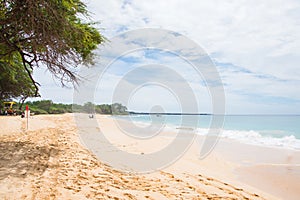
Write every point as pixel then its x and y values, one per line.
pixel 255 46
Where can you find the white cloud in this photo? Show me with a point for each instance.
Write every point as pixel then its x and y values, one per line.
pixel 259 36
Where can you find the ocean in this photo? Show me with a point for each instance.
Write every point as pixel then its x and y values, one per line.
pixel 281 131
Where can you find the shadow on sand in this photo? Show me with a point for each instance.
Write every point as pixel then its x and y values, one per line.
pixel 20 159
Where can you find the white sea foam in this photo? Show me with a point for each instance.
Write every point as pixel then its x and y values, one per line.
pixel 255 138
pixel 269 138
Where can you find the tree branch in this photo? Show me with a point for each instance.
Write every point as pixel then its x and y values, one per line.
pixel 36 84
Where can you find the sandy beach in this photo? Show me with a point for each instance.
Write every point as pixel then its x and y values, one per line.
pixel 49 161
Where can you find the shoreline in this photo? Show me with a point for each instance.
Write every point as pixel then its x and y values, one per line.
pixel 247 137
pixel 71 171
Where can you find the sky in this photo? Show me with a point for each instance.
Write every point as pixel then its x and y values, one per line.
pixel 254 46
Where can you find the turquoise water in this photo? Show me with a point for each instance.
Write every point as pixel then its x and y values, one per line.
pixel 271 130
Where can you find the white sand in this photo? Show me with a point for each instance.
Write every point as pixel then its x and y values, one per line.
pixel 48 161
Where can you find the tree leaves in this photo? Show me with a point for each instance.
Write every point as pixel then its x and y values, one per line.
pixel 14 80
pixel 48 33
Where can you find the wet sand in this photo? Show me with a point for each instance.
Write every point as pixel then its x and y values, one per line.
pixel 49 161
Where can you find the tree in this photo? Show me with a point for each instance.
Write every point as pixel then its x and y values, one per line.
pixel 49 33
pixel 118 109
pixel 43 104
pixel 14 80
pixel 105 109
pixel 89 107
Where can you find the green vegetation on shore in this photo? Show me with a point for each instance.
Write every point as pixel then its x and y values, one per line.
pixel 48 107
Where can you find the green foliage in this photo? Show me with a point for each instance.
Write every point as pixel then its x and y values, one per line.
pixel 43 105
pixel 118 109
pixel 88 107
pixel 51 33
pixel 103 109
pixel 14 80
pixel 48 107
